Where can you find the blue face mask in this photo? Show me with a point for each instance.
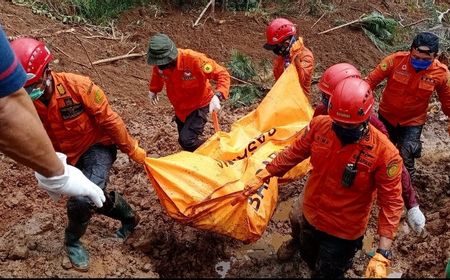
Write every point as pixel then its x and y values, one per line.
pixel 349 135
pixel 419 64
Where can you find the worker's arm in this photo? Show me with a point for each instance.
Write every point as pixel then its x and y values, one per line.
pixel 23 137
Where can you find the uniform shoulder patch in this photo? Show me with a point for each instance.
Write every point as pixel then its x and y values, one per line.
pixel 384 65
pixel 207 68
pixel 60 88
pixel 98 96
pixel 393 168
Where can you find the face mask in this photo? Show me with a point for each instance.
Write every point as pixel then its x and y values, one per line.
pixel 34 92
pixel 282 49
pixel 279 50
pixel 349 135
pixel 419 64
pixel 325 99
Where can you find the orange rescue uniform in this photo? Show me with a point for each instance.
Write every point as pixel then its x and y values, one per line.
pixel 187 85
pixel 328 205
pixel 407 93
pixel 78 116
pixel 303 60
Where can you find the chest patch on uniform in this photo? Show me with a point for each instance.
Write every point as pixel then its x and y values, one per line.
pixel 207 68
pixel 71 111
pixel 392 169
pixel 98 97
pixel 383 66
pixel 60 88
pixel 187 75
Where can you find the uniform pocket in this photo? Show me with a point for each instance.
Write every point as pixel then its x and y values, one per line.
pixel 79 124
pixel 425 90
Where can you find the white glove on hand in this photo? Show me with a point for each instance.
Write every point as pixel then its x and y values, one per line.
pixel 71 183
pixel 416 219
pixel 153 97
pixel 214 105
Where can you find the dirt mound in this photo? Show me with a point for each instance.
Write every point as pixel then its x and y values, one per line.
pixel 31 237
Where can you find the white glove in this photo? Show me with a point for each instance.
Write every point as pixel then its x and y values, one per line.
pixel 153 97
pixel 71 183
pixel 214 105
pixel 416 219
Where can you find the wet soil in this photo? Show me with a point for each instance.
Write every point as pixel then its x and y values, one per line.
pixel 31 235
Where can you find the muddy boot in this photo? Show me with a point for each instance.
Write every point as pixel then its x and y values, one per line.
pixel 287 250
pixel 123 212
pixel 78 255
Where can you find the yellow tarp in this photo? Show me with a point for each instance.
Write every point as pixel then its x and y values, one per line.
pixel 204 189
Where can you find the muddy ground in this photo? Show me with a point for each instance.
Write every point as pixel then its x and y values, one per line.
pixel 32 230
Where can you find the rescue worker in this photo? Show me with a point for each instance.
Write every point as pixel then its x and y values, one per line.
pixel 352 162
pixel 330 78
pixel 81 123
pixel 412 77
pixel 24 139
pixel 186 74
pixel 282 39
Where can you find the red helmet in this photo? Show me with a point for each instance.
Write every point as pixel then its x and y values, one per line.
pixel 336 73
pixel 278 31
pixel 351 101
pixel 33 55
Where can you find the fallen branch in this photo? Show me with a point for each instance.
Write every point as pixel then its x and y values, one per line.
pixel 416 22
pixel 204 10
pixel 87 54
pixel 259 86
pixel 71 58
pixel 100 36
pixel 118 58
pixel 242 81
pixel 340 26
pixel 318 20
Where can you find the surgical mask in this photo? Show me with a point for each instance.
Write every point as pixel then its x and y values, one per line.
pixel 325 99
pixel 419 64
pixel 349 135
pixel 36 92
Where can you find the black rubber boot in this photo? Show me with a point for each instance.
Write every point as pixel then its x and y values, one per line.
pixel 123 212
pixel 78 255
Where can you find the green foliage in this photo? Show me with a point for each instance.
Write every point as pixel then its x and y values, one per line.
pixel 102 11
pixel 383 28
pixel 242 5
pixel 382 32
pixel 98 12
pixel 244 95
pixel 241 67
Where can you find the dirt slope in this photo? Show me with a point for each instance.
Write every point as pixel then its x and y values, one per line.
pixel 32 229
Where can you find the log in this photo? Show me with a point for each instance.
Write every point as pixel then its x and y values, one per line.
pixel 204 10
pixel 340 26
pixel 106 60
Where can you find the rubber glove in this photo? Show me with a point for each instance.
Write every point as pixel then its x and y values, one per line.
pixel 153 97
pixel 71 183
pixel 256 182
pixel 138 154
pixel 416 219
pixel 377 267
pixel 214 105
